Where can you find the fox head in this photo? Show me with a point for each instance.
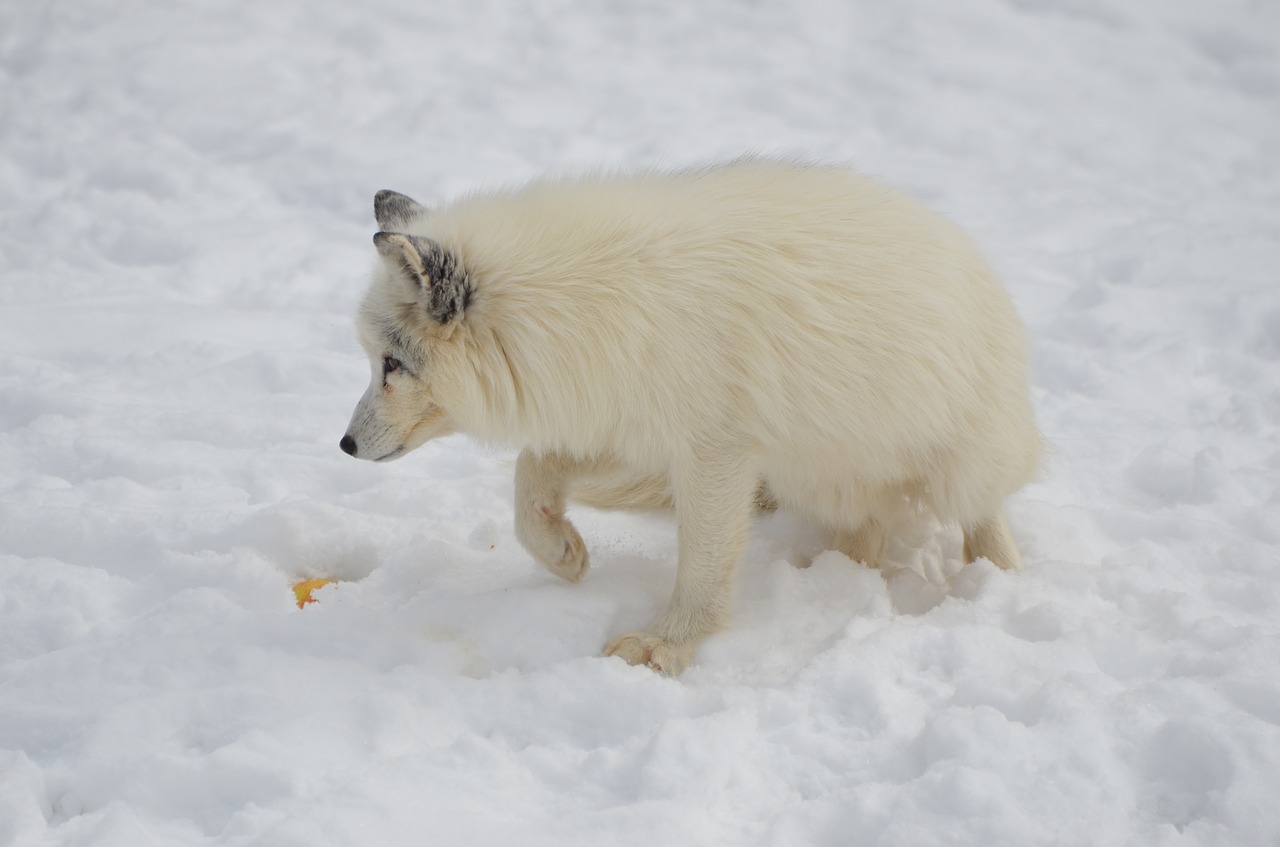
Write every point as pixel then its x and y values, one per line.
pixel 416 301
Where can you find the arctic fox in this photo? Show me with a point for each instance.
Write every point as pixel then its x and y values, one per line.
pixel 713 340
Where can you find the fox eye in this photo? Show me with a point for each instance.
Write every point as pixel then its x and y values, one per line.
pixel 390 365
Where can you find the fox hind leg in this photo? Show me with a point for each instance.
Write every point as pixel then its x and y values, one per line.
pixel 865 544
pixel 991 539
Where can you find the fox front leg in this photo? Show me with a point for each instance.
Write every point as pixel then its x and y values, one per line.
pixel 715 498
pixel 541 527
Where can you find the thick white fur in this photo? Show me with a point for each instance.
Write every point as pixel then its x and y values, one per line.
pixel 676 338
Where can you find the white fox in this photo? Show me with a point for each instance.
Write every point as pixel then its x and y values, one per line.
pixel 713 340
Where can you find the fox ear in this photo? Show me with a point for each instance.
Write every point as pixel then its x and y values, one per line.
pixel 435 274
pixel 392 210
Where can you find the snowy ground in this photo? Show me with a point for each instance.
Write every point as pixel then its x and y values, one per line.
pixel 184 233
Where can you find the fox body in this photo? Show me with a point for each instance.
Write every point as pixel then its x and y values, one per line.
pixel 712 340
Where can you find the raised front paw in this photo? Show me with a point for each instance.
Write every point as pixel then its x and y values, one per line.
pixel 643 648
pixel 554 542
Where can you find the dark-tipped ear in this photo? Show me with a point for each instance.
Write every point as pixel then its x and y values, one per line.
pixel 436 274
pixel 392 210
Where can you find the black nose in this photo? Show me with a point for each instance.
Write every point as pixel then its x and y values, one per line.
pixel 348 445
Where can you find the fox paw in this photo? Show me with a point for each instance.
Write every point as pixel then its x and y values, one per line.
pixel 554 542
pixel 642 648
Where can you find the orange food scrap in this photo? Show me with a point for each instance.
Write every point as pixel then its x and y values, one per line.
pixel 302 590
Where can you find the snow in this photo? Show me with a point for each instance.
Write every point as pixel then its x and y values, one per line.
pixel 185 212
